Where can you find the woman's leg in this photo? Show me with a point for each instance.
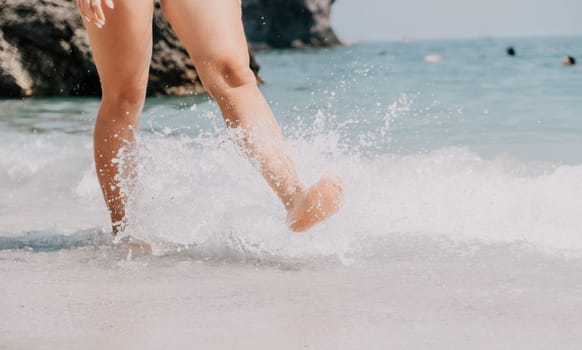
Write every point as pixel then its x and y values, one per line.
pixel 122 53
pixel 213 34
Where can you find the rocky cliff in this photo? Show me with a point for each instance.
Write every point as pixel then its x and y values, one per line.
pixel 289 23
pixel 44 49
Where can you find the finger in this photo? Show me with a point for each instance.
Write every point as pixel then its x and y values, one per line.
pixel 98 13
pixel 109 4
pixel 81 7
pixel 85 9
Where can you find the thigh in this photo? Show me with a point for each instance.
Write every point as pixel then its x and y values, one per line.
pixel 122 49
pixel 209 29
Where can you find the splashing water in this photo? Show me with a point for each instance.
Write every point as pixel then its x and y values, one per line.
pixel 199 192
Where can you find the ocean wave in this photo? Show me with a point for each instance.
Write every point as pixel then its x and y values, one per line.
pixel 192 191
pixel 54 240
pixel 199 192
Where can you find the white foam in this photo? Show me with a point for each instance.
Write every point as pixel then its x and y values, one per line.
pixel 200 191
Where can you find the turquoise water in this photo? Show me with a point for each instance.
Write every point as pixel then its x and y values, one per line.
pixel 526 105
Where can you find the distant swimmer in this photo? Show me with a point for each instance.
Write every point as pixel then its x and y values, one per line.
pixel 569 61
pixel 433 58
pixel 510 51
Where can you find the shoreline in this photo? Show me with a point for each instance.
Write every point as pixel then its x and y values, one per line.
pixel 74 299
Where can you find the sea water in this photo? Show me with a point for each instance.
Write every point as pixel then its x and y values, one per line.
pixel 461 224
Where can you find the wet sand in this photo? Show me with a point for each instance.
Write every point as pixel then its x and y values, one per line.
pixel 89 298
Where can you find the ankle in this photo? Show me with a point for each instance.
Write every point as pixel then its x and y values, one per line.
pixel 293 197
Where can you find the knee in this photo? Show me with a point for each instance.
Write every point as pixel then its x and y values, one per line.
pixel 224 72
pixel 127 100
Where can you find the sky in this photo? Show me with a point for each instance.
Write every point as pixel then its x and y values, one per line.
pixel 397 19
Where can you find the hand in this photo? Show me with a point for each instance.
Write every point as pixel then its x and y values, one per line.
pixel 91 10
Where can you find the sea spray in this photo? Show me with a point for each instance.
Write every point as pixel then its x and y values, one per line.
pixel 200 192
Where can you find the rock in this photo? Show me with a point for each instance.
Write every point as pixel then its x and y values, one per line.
pixel 289 23
pixel 44 51
pixel 14 78
pixel 171 70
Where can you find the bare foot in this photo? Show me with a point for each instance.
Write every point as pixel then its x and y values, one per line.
pixel 320 201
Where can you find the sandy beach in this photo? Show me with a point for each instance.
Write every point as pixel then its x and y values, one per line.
pixel 489 298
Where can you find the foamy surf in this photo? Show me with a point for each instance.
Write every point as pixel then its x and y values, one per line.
pixel 200 192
